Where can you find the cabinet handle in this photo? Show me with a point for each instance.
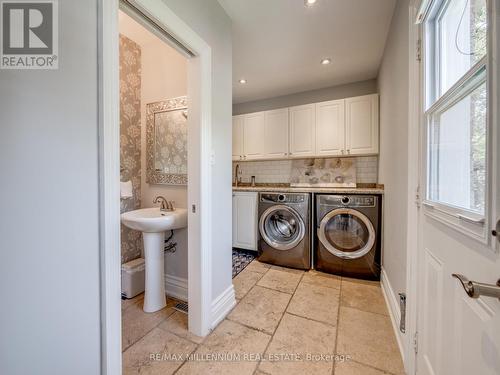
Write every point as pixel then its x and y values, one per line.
pixel 343 152
pixel 348 151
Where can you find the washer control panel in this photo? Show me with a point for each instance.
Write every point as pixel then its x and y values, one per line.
pixel 347 200
pixel 283 197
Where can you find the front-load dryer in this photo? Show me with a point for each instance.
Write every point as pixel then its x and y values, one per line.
pixel 284 229
pixel 348 235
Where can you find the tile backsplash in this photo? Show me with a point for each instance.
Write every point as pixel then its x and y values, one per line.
pixel 280 171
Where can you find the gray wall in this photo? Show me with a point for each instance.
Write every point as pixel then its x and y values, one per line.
pixel 208 19
pixel 393 162
pixel 306 97
pixel 49 239
pixel 49 233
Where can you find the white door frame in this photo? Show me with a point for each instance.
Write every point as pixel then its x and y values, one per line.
pixel 199 174
pixel 414 169
pixel 415 131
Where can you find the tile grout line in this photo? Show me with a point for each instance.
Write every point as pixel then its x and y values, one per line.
pixel 261 276
pixel 279 322
pixel 373 367
pixel 147 333
pixel 311 319
pixel 197 346
pixel 338 326
pixel 226 318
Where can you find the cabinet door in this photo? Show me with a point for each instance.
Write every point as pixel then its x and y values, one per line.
pixel 330 128
pixel 237 137
pixel 245 220
pixel 362 125
pixel 253 136
pixel 302 130
pixel 276 135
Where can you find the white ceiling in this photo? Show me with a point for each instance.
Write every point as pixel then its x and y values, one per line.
pixel 278 44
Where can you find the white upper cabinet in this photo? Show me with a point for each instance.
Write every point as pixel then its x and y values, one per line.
pixel 362 125
pixel 330 128
pixel 334 128
pixel 276 134
pixel 238 137
pixel 302 130
pixel 254 131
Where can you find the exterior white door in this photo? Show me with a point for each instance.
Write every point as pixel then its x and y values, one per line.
pixel 276 134
pixel 238 137
pixel 362 125
pixel 245 220
pixel 457 334
pixel 330 128
pixel 302 130
pixel 253 136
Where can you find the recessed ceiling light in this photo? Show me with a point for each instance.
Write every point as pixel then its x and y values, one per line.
pixel 326 61
pixel 242 81
pixel 309 3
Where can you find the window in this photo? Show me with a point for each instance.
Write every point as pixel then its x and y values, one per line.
pixel 457 107
pixel 461 33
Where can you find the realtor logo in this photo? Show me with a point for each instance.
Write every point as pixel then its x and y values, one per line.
pixel 29 34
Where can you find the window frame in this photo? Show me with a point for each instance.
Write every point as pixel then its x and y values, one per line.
pixel 466 221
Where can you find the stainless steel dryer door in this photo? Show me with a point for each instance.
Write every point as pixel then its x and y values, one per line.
pixel 281 227
pixel 346 233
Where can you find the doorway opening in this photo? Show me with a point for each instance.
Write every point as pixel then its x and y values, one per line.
pixel 193 280
pixel 153 176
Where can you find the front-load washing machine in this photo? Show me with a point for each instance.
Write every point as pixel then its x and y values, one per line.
pixel 348 235
pixel 284 229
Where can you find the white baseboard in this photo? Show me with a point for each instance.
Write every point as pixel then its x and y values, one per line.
pixel 393 305
pixel 222 305
pixel 176 287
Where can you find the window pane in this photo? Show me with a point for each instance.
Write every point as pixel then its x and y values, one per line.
pixel 457 151
pixel 462 39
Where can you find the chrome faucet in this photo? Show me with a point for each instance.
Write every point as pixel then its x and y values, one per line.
pixel 236 175
pixel 164 204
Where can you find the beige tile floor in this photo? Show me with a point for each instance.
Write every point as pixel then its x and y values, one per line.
pixel 286 322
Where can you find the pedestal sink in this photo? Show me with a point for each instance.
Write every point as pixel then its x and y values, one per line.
pixel 153 223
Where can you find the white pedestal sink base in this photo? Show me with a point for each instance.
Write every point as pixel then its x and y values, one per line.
pixel 154 294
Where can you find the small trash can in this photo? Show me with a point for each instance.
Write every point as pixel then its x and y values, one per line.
pixel 133 274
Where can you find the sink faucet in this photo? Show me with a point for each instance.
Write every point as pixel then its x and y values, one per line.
pixel 164 204
pixel 236 175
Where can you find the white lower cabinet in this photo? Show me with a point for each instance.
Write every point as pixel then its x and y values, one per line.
pixel 245 220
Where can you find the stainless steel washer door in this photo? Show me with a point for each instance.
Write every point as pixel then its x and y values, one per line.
pixel 346 233
pixel 281 227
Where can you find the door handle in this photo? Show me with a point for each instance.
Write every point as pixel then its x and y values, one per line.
pixel 475 289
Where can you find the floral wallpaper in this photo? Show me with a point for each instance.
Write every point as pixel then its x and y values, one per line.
pixel 130 140
pixel 171 141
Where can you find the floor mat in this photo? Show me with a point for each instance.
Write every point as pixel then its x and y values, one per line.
pixel 241 259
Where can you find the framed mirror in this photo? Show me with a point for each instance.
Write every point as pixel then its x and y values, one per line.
pixel 166 142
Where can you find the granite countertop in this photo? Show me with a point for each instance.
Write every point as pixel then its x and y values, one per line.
pixel 286 188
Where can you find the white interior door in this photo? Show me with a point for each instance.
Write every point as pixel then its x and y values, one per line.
pixel 458 334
